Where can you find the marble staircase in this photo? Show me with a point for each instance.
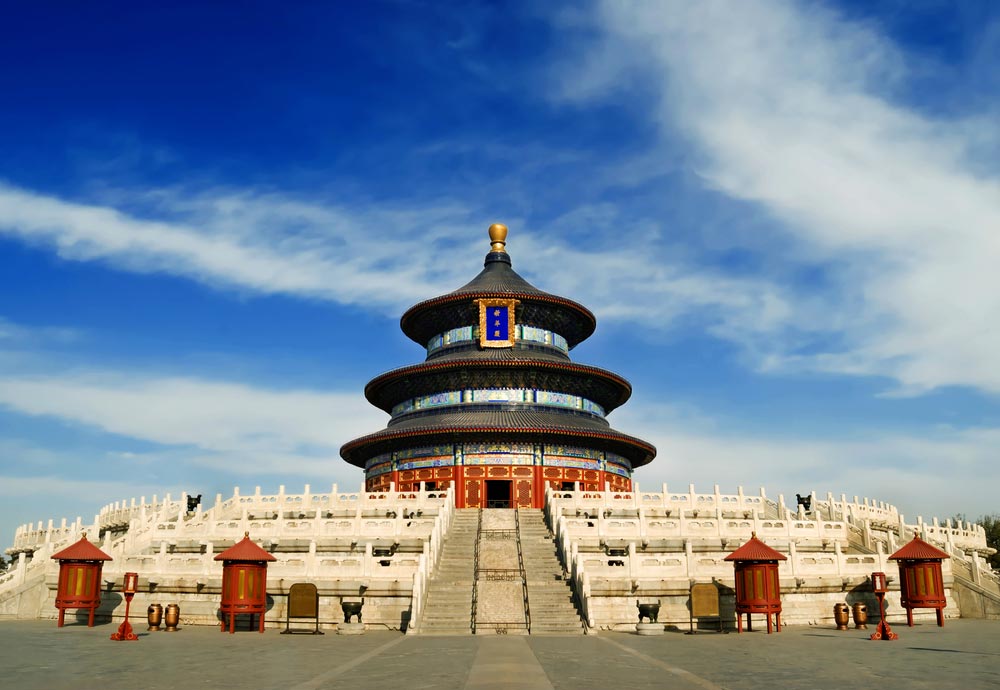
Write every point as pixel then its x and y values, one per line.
pixel 449 594
pixel 516 552
pixel 550 597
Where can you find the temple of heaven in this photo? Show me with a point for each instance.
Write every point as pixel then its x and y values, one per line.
pixel 498 410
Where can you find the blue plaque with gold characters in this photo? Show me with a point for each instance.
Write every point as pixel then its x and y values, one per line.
pixel 496 322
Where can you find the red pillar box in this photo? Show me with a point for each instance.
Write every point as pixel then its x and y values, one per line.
pixel 921 585
pixel 757 590
pixel 79 586
pixel 244 582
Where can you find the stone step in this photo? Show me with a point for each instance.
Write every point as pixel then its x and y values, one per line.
pixel 553 616
pixel 451 616
pixel 561 615
pixel 438 598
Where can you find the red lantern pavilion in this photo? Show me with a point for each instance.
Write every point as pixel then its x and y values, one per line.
pixel 79 585
pixel 921 584
pixel 497 410
pixel 244 582
pixel 757 588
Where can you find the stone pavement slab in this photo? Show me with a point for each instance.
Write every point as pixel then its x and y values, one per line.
pixel 38 655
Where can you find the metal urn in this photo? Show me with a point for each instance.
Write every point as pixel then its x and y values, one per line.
pixel 154 616
pixel 860 612
pixel 841 615
pixel 171 617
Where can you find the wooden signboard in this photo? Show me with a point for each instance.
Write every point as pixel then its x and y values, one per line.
pixel 303 602
pixel 705 603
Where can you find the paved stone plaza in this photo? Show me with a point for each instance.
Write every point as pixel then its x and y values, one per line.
pixel 36 654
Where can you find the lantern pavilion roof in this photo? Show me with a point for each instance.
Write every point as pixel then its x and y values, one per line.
pixel 82 550
pixel 918 550
pixel 245 550
pixel 755 550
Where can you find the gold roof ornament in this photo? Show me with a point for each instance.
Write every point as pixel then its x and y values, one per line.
pixel 498 237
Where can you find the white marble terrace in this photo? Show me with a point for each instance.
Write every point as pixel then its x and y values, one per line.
pixel 616 547
pixel 387 542
pixel 620 547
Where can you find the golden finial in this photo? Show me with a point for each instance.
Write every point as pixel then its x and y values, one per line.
pixel 246 535
pixel 498 237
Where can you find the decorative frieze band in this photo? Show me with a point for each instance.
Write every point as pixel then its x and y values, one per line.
pixel 498 395
pixel 469 334
pixel 521 454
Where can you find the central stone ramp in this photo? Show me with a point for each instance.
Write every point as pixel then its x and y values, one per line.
pixel 500 593
pixel 448 610
pixel 550 597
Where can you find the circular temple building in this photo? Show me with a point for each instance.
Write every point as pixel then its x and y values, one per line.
pixel 498 410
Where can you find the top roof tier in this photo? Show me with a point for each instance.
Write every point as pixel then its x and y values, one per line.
pixel 498 279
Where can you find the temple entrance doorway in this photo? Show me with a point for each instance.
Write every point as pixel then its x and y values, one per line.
pixel 498 493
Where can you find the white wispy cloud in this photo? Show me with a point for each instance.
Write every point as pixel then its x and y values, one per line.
pixel 792 108
pixel 224 423
pixel 14 334
pixel 918 471
pixel 272 244
pixel 248 241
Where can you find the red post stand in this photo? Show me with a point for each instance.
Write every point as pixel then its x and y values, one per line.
pixel 79 585
pixel 130 584
pixel 882 631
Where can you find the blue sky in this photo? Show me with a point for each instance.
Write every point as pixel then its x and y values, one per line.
pixel 785 215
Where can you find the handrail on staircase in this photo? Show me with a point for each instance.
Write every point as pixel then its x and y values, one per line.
pixel 520 565
pixel 475 570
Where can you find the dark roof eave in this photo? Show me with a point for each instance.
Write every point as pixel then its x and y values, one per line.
pixel 628 443
pixel 417 311
pixel 372 390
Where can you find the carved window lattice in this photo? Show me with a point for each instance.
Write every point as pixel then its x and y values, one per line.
pixel 472 495
pixel 524 494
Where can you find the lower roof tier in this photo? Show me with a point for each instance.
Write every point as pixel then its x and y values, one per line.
pixel 520 425
pixel 605 388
